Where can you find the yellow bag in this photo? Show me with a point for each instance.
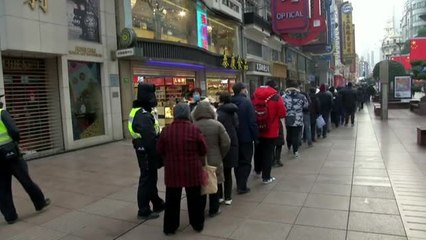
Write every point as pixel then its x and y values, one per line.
pixel 209 185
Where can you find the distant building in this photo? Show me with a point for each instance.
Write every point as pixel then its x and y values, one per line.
pixel 411 22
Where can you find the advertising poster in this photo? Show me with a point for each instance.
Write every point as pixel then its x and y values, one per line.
pixel 402 87
pixel 83 20
pixel 86 99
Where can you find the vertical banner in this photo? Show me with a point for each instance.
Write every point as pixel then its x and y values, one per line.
pixel 402 87
pixel 347 43
pixel 202 26
pixel 290 16
pixel 83 20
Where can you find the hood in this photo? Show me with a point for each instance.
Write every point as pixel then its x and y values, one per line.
pixel 203 110
pixel 292 90
pixel 228 108
pixel 322 88
pixel 263 92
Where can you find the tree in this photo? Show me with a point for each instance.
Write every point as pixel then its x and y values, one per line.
pixel 418 69
pixel 406 48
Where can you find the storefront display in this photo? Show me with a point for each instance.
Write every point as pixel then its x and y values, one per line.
pixel 169 91
pixel 216 86
pixel 86 99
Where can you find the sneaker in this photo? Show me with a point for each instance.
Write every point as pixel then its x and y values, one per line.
pixel 152 215
pixel 159 208
pixel 296 154
pixel 12 221
pixel 267 181
pixel 228 202
pixel 221 200
pixel 215 214
pixel 243 191
pixel 47 202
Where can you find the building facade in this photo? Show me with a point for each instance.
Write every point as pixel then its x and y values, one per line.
pixel 180 46
pixel 59 81
pixel 411 21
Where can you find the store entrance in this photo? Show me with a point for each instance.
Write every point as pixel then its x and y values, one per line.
pixel 32 99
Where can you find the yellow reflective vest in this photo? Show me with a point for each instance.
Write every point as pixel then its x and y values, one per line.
pixel 4 135
pixel 132 114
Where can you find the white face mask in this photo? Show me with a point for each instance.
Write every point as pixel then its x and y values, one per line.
pixel 244 91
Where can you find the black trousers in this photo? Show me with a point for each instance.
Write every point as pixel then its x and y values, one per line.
pixel 277 153
pixel 264 157
pixel 196 205
pixel 350 112
pixel 19 169
pixel 225 189
pixel 293 137
pixel 242 171
pixel 313 128
pixel 147 189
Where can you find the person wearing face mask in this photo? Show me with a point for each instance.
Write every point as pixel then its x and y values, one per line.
pixel 144 129
pixel 247 133
pixel 196 98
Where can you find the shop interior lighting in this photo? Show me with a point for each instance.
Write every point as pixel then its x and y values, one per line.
pixel 182 13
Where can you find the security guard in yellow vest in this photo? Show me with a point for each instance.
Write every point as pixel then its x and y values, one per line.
pixel 144 129
pixel 12 164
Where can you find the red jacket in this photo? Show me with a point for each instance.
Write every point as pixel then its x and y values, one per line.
pixel 183 147
pixel 276 110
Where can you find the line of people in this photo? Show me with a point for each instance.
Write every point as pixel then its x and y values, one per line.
pixel 227 138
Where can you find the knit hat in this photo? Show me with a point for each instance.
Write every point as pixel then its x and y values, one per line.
pixel 146 95
pixel 322 88
pixel 272 84
pixel 238 87
pixel 182 111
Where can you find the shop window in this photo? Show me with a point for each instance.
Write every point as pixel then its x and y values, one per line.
pixel 222 35
pixel 86 99
pixel 254 48
pixel 165 20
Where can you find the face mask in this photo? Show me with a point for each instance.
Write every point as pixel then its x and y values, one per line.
pixel 197 97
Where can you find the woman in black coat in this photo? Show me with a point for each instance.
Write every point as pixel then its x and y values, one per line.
pixel 227 115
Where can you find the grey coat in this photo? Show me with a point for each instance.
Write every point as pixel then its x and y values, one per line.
pixel 218 141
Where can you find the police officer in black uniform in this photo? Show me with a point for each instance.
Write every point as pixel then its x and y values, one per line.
pixel 144 129
pixel 12 164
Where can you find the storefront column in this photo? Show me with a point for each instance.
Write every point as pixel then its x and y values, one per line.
pixel 126 84
pixel 200 81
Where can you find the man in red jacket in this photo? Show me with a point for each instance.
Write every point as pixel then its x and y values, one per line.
pixel 269 107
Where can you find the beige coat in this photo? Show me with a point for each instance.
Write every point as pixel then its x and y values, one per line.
pixel 218 141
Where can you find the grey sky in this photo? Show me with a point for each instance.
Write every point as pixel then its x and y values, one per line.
pixel 370 17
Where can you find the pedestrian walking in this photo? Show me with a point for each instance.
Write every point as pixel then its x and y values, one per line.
pixel 270 109
pixel 295 102
pixel 326 103
pixel 218 145
pixel 144 129
pixel 336 108
pixel 314 112
pixel 349 98
pixel 247 134
pixel 307 135
pixel 183 148
pixel 227 115
pixel 12 164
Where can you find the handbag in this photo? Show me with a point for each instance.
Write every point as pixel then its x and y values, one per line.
pixel 9 151
pixel 320 121
pixel 209 185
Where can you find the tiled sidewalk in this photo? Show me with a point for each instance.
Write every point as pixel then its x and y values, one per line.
pixel 365 182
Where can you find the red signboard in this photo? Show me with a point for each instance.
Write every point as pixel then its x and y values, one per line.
pixel 417 49
pixel 290 16
pixel 404 60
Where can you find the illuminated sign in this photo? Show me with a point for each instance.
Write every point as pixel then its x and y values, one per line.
pixel 202 25
pixel 290 16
